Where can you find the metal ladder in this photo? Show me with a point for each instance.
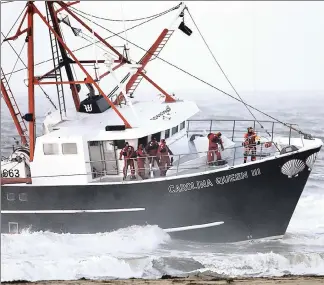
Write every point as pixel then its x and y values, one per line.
pixel 135 84
pixel 154 55
pixel 140 77
pixel 57 74
pixel 13 104
pixel 161 45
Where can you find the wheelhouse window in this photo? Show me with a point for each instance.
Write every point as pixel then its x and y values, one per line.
pixel 51 148
pixel 167 134
pixel 93 143
pixel 119 143
pixel 157 136
pixel 175 130
pixel 69 148
pixel 182 125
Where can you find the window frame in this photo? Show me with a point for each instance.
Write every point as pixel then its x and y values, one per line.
pixel 175 128
pixel 57 152
pixel 182 125
pixel 167 134
pixel 69 143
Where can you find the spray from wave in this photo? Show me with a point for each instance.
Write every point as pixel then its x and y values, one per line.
pixel 48 256
pixel 149 252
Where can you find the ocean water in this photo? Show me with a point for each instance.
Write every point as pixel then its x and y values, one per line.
pixel 149 252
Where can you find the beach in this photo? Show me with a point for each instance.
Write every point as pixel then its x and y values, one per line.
pixel 198 280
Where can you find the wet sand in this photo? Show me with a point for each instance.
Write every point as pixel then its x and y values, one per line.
pixel 194 280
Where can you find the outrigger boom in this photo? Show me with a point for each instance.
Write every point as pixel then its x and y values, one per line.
pixel 31 10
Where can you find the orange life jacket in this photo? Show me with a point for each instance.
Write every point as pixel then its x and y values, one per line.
pixel 140 152
pixel 131 152
pixel 250 139
pixel 214 140
pixel 163 148
pixel 123 152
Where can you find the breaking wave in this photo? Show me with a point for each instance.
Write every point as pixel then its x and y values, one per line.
pixel 48 256
pixel 149 252
pixel 268 264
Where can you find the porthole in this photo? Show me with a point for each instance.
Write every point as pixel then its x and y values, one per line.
pixel 23 196
pixel 11 196
pixel 13 228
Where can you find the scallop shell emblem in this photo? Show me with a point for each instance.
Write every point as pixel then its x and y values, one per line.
pixel 310 161
pixel 293 167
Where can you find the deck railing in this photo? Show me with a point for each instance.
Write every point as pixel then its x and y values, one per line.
pixel 232 129
pixel 235 129
pixel 182 163
pixel 198 162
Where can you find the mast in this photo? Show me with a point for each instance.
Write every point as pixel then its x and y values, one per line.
pixel 65 59
pixel 68 58
pixel 30 117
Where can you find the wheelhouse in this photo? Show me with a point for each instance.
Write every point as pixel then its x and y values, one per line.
pixel 87 148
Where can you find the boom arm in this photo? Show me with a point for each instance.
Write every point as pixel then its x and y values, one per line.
pixel 152 53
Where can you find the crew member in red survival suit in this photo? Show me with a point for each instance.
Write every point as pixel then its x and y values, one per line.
pixel 214 140
pixel 165 161
pixel 152 149
pixel 123 152
pixel 129 154
pixel 250 143
pixel 141 158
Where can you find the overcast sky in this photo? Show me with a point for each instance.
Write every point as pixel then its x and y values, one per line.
pixel 262 46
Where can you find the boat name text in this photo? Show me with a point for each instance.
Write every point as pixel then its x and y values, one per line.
pixel 206 183
pixel 167 110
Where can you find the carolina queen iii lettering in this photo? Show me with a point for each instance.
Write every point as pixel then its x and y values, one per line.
pixel 237 176
pixel 200 184
pixel 177 188
pixel 231 177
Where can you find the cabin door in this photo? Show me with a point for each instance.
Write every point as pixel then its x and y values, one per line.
pixel 103 158
pixel 143 141
pixel 109 152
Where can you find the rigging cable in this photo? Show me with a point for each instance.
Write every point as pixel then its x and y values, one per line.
pixel 126 42
pixel 5 2
pixel 201 80
pixel 26 68
pixel 225 74
pixel 122 20
pixel 169 63
pixel 111 36
pixel 16 61
pixel 86 37
pixel 13 24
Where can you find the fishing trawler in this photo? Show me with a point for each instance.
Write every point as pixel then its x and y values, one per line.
pixel 70 178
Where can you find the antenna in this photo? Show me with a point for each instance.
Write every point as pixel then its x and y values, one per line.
pixel 126 40
pixel 122 85
pixel 96 66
